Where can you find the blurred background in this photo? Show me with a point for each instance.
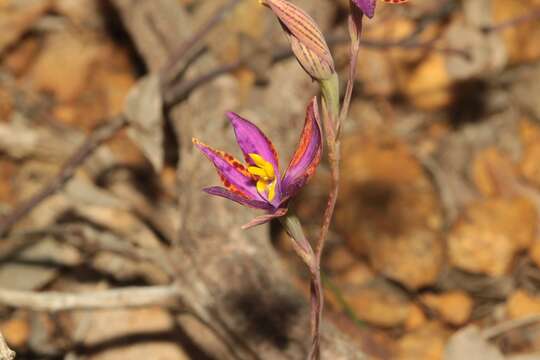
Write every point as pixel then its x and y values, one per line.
pixel 434 251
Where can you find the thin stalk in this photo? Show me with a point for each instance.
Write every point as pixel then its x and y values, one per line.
pixel 317 302
pixel 333 117
pixel 330 106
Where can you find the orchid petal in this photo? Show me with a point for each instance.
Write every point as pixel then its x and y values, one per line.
pixel 253 141
pixel 366 6
pixel 307 155
pixel 256 204
pixel 233 174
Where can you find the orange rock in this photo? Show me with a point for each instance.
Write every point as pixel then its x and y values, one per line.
pixel 16 331
pixel 379 305
pixel 529 132
pixel 7 173
pixel 519 39
pixel 389 211
pixel 534 252
pixel 384 73
pixel 490 167
pixel 426 343
pixel 16 17
pixel 6 105
pixel 428 86
pixel 20 58
pixel 453 307
pixel 416 318
pixel 488 235
pixel 102 95
pixel 530 164
pixel 357 274
pixel 521 304
pixel 63 66
pixel 480 250
pixel 339 260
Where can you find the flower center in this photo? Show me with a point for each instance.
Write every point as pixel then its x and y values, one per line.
pixel 265 175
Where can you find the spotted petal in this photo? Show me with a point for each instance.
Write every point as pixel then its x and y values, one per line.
pixel 255 204
pixel 366 6
pixel 233 174
pixel 307 155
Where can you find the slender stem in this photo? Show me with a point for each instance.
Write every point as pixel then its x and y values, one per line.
pixel 304 250
pixel 333 118
pixel 317 302
pixel 333 158
pixel 330 106
pixel 355 49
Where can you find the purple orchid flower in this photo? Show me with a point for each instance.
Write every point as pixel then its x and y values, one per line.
pixel 366 6
pixel 259 184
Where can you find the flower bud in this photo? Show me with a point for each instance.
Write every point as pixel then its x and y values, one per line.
pixel 366 6
pixel 307 41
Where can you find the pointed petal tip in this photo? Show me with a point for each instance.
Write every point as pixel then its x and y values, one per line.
pixel 247 200
pixel 366 6
pixel 307 155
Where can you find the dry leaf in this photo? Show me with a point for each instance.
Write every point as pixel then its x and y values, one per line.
pixel 427 343
pixel 144 111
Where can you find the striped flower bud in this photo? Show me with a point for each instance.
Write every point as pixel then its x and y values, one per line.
pixel 307 41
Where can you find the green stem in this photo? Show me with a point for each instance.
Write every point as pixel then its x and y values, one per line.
pixel 301 245
pixel 330 93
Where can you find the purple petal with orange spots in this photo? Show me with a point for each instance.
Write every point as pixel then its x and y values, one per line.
pixel 233 174
pixel 256 204
pixel 307 155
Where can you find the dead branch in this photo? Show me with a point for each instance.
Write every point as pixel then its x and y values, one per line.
pixel 107 299
pixel 506 326
pixel 98 137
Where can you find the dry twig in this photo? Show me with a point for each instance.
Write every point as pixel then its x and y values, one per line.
pixel 107 299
